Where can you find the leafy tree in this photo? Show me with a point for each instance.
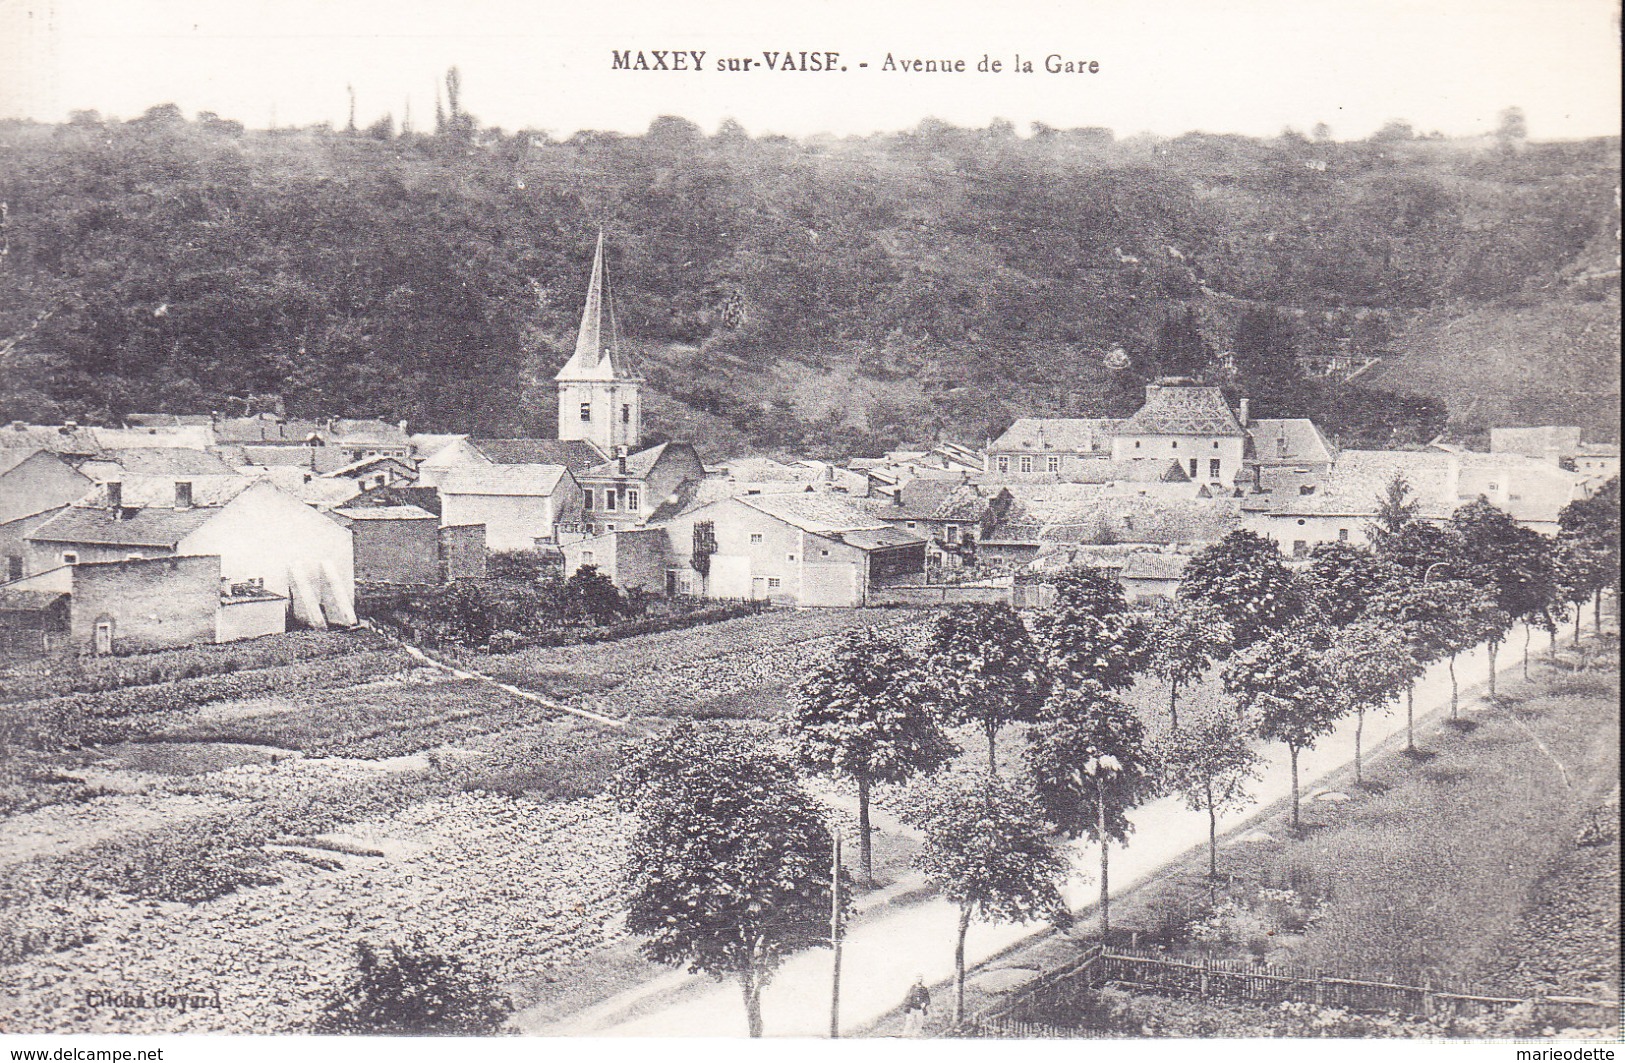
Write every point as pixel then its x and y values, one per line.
pixel 1370 662
pixel 1088 635
pixel 1575 565
pixel 986 848
pixel 1421 549
pixel 1439 619
pixel 590 594
pixel 1244 577
pixel 1209 764
pixel 1592 526
pixel 1183 638
pixel 410 989
pixel 1510 563
pixel 1342 578
pixel 1090 765
pixel 728 866
pixel 1285 682
pixel 864 713
pixel 985 669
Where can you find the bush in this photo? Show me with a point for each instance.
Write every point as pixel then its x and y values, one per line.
pixel 411 990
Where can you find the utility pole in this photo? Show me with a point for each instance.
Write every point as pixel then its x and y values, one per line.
pixel 835 938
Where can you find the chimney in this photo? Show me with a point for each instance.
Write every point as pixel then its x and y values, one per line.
pixel 69 426
pixel 183 494
pixel 402 426
pixel 115 494
pixel 1243 415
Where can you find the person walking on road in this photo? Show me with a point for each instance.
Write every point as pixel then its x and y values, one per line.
pixel 916 1006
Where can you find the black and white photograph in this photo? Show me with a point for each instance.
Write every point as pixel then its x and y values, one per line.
pixel 930 522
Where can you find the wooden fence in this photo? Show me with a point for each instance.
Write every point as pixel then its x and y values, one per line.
pixel 1069 991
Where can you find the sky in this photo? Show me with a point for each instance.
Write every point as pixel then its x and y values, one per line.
pixel 1165 66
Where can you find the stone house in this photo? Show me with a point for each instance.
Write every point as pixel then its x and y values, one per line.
pixel 1189 423
pixel 521 506
pixel 393 544
pixel 262 536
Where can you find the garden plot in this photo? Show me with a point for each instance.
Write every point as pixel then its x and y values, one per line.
pixel 63 828
pixel 516 887
pixel 674 673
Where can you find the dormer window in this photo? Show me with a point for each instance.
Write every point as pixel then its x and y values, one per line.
pixel 183 494
pixel 115 494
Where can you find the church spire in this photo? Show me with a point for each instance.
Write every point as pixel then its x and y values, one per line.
pixel 596 347
pixel 599 399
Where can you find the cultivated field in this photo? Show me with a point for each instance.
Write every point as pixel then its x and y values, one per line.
pixel 231 821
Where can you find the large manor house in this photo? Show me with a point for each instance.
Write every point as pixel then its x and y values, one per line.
pixel 177 528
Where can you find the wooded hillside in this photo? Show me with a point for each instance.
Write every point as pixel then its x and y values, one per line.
pixel 827 297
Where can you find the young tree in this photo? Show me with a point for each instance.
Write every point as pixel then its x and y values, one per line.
pixel 1420 613
pixel 728 866
pixel 985 669
pixel 1370 662
pixel 1285 683
pixel 1088 634
pixel 864 713
pixel 1209 764
pixel 1575 565
pixel 1183 639
pixel 1512 564
pixel 988 851
pixel 1244 577
pixel 411 989
pixel 1396 509
pixel 1090 765
pixel 1592 526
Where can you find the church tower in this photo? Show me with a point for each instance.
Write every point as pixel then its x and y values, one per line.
pixel 599 398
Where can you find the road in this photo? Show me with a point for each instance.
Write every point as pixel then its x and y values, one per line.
pixel 883 955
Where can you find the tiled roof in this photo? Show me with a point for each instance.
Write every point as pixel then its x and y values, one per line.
pixel 142 490
pixel 526 480
pixel 323 492
pixel 577 455
pixel 165 461
pixel 11 457
pixel 191 437
pixel 425 498
pixel 1073 434
pixel 265 428
pixel 1143 520
pixel 765 470
pixel 814 511
pixel 363 463
pixel 385 513
pixel 105 527
pixel 58 439
pixel 1179 409
pixel 1287 440
pixel 880 538
pixel 320 460
pixel 1564 440
pixel 428 444
pixel 638 465
pixel 166 420
pixel 367 430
